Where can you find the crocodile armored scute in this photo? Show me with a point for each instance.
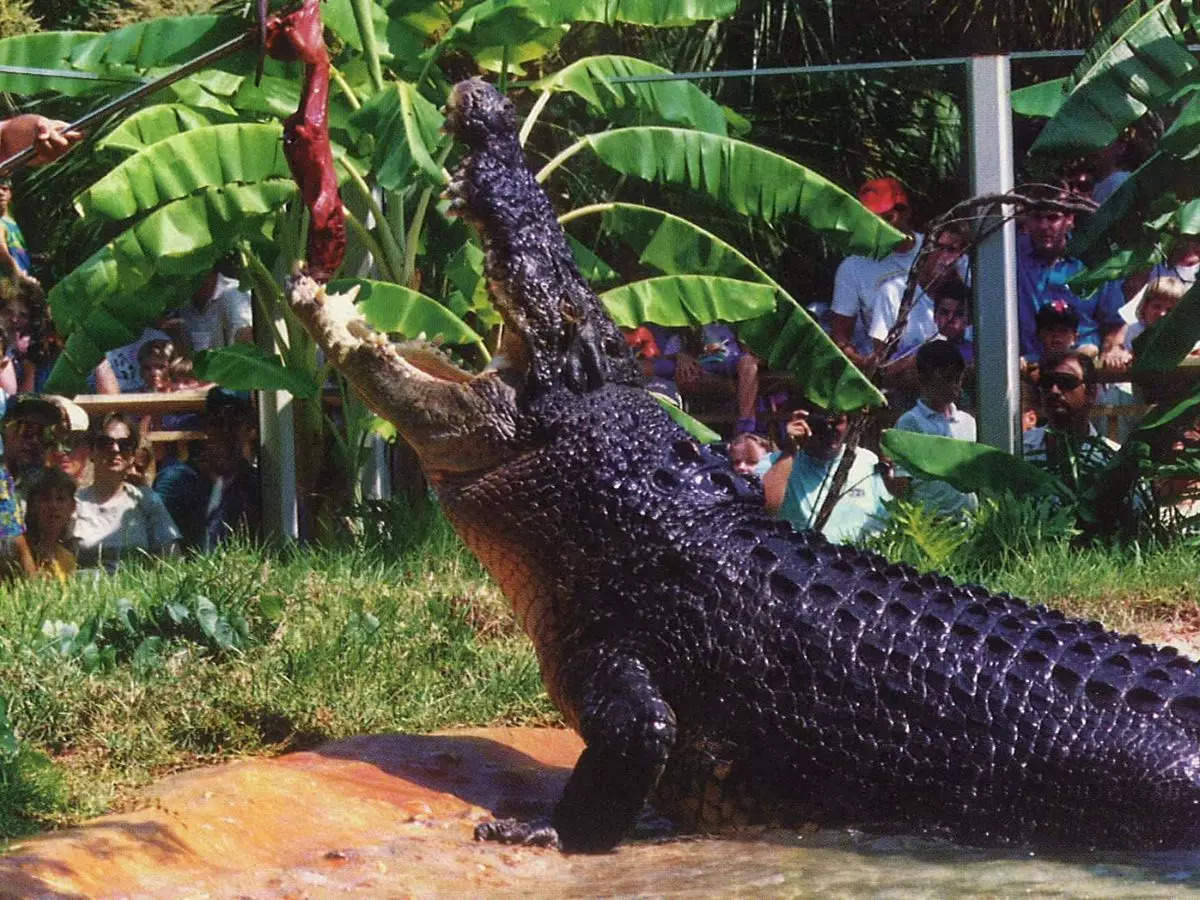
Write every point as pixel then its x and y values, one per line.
pixel 717 663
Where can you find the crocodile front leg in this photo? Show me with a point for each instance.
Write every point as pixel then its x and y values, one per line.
pixel 629 730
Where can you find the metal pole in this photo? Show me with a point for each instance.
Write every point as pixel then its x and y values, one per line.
pixel 994 278
pixel 277 463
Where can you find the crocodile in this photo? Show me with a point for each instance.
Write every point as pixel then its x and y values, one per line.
pixel 719 664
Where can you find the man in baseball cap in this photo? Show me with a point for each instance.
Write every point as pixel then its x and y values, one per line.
pixel 859 278
pixel 884 196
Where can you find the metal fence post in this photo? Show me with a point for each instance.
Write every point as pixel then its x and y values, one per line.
pixel 994 278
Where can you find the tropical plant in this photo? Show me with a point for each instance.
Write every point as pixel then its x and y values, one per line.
pixel 200 173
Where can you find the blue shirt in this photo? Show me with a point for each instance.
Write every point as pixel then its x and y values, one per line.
pixel 1039 283
pixel 858 512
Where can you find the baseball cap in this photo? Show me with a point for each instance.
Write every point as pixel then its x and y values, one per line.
pixel 46 409
pixel 1057 312
pixel 882 194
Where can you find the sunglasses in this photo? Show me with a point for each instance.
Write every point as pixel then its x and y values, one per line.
pixel 124 446
pixel 1062 380
pixel 70 441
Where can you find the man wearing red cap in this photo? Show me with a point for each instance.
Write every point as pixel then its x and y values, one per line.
pixel 859 278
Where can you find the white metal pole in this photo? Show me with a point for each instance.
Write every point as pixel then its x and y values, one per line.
pixel 277 462
pixel 994 280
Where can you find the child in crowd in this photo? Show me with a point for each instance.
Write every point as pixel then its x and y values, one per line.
pixel 154 363
pixel 750 454
pixel 1057 327
pixel 940 371
pixel 50 522
pixel 952 316
pixel 1159 298
pixel 1030 410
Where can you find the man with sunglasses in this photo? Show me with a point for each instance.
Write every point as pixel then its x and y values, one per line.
pixel 38 427
pixel 1067 386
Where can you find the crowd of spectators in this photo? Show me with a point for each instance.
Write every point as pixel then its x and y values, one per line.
pixel 86 493
pixel 72 493
pixel 1074 345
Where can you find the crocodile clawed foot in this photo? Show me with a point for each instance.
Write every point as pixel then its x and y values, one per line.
pixel 538 833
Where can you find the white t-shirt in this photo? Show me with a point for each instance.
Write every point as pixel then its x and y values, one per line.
pixel 131 519
pixel 227 312
pixel 124 360
pixel 920 326
pixel 858 280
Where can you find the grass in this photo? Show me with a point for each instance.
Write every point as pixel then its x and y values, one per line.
pixel 112 682
pixel 264 653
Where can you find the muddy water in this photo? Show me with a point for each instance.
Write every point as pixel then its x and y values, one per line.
pixel 392 815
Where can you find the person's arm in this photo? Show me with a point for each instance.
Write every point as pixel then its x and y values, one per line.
pixel 8 375
pixel 8 264
pixel 775 484
pixel 106 379
pixel 48 137
pixel 1113 354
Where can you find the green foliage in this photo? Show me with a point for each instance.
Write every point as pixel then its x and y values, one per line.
pixel 918 535
pixel 216 140
pixel 1132 67
pixel 242 651
pixel 966 466
pixel 31 788
pixel 243 367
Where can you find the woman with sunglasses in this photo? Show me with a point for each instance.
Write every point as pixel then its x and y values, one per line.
pixel 113 518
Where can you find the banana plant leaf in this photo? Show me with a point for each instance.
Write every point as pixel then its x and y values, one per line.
pixel 47 55
pixel 748 179
pixel 1166 343
pixel 676 246
pixel 100 321
pixel 1132 68
pixel 245 367
pixel 205 157
pixel 156 42
pixel 106 298
pixel 1041 100
pixel 690 424
pixel 338 17
pixel 510 57
pixel 512 22
pixel 1120 265
pixel 661 102
pixel 595 270
pixel 788 340
pixel 968 467
pixel 395 309
pixel 671 244
pixel 192 93
pixel 1157 188
pixel 155 123
pixel 408 135
pixel 682 300
pixel 1167 413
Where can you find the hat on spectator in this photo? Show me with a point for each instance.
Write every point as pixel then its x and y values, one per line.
pixel 46 409
pixel 31 408
pixel 1057 313
pixel 882 194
